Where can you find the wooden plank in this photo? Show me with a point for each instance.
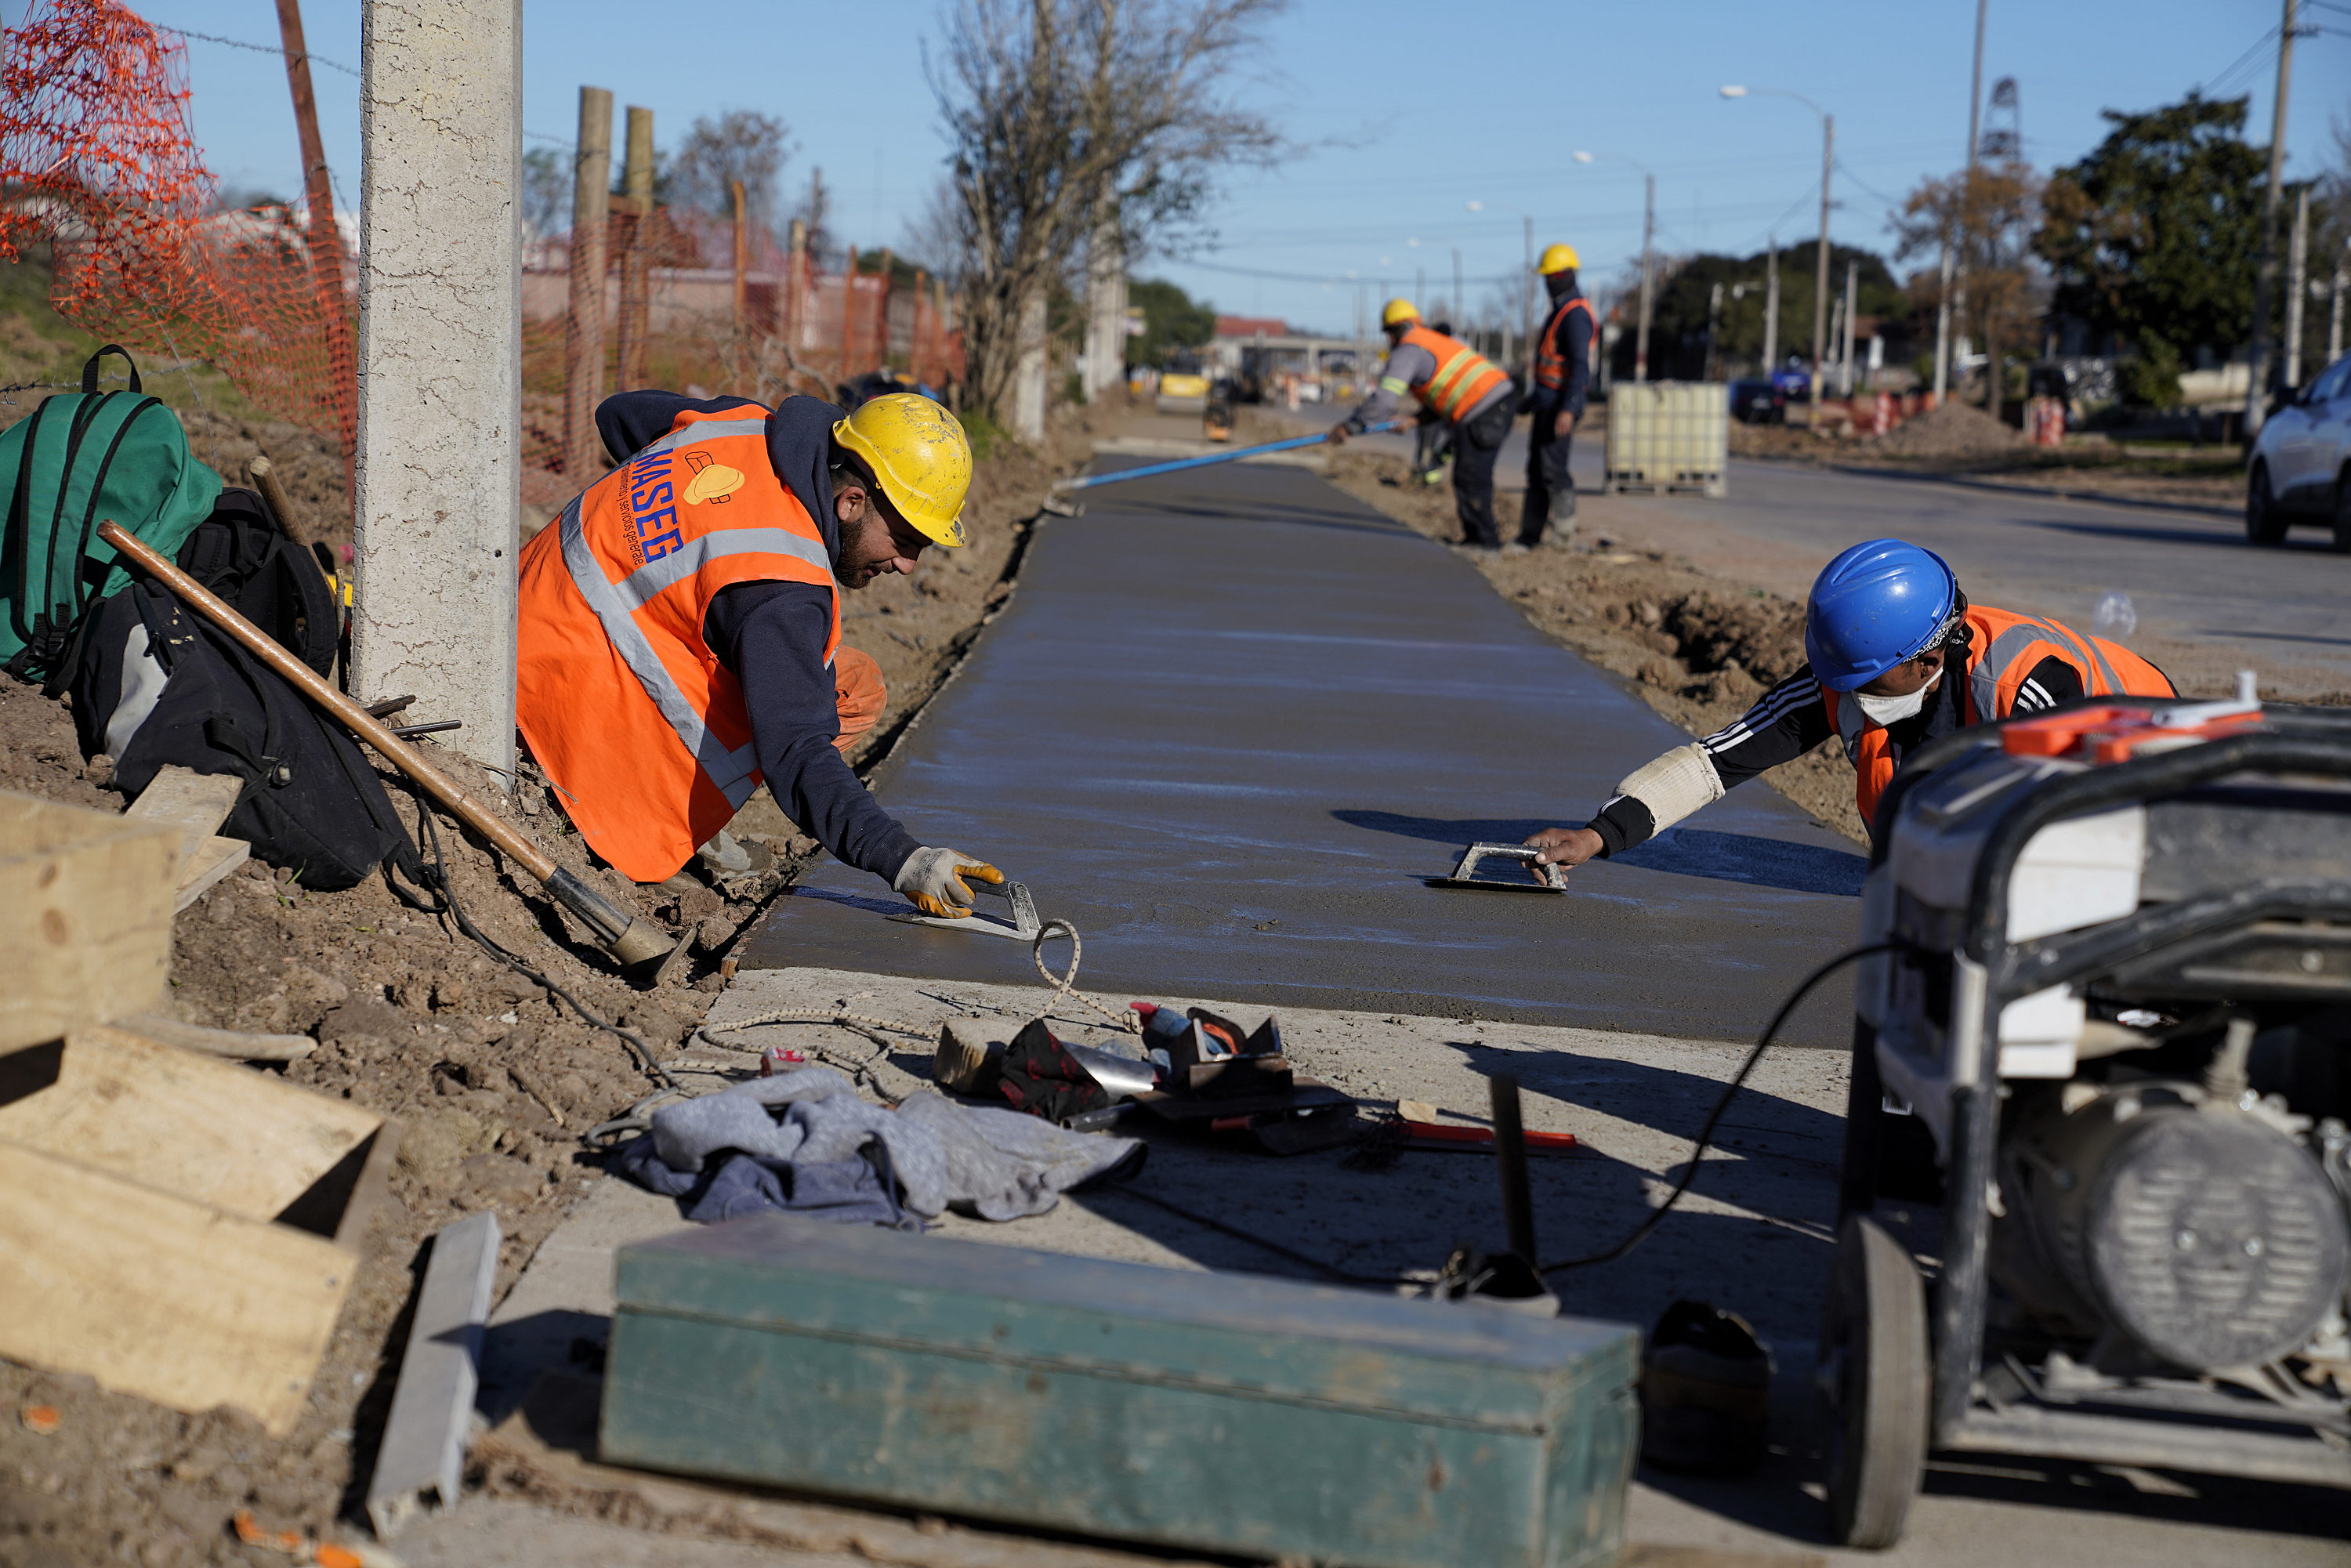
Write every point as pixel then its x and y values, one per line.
pixel 203 867
pixel 85 916
pixel 158 1295
pixel 205 1129
pixel 195 803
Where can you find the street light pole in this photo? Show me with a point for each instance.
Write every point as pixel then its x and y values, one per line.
pixel 1772 310
pixel 1821 258
pixel 2265 276
pixel 1967 189
pixel 1527 305
pixel 1648 263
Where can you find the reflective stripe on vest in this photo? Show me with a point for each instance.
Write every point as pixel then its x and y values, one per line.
pixel 2003 650
pixel 1550 365
pixel 1464 378
pixel 638 723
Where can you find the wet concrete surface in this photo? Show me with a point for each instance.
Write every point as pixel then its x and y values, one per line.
pixel 1232 719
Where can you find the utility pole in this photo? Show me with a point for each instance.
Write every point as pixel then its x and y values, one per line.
pixel 1772 310
pixel 1460 311
pixel 1852 304
pixel 1821 258
pixel 2297 286
pixel 325 244
pixel 1527 305
pixel 2265 278
pixel 583 336
pixel 440 359
pixel 2335 307
pixel 636 262
pixel 1713 327
pixel 742 253
pixel 1967 189
pixel 1649 273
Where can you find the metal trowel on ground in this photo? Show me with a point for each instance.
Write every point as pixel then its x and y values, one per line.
pixel 1537 878
pixel 1022 924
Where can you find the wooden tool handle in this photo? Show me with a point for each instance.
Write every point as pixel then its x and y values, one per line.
pixel 373 730
pixel 264 479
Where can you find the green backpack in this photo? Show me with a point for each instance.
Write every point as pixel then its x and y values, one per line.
pixel 78 461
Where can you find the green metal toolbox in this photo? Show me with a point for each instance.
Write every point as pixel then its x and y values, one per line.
pixel 1217 1412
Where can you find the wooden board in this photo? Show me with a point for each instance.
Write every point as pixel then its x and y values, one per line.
pixel 205 1129
pixel 158 1295
pixel 85 916
pixel 195 803
pixel 201 869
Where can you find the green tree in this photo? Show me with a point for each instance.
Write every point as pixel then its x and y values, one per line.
pixel 1684 303
pixel 2154 237
pixel 1171 319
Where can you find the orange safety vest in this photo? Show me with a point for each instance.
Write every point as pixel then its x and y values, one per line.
pixel 642 730
pixel 2005 649
pixel 1550 365
pixel 1463 377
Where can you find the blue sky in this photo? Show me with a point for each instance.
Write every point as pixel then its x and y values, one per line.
pixel 1408 112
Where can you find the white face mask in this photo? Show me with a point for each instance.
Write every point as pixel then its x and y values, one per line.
pixel 1893 710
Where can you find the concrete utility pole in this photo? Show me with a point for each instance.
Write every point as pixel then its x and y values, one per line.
pixel 2297 286
pixel 2265 278
pixel 1648 275
pixel 1771 309
pixel 796 288
pixel 1852 304
pixel 848 310
pixel 1821 257
pixel 1951 251
pixel 440 363
pixel 1106 364
pixel 2335 307
pixel 1527 306
pixel 1028 373
pixel 1460 311
pixel 583 328
pixel 325 242
pixel 1713 326
pixel 636 262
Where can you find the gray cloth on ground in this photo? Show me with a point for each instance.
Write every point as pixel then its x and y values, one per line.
pixel 998 1164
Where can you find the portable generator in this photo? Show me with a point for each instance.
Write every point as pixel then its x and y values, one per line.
pixel 2109 1020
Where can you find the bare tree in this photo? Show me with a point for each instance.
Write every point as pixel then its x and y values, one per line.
pixel 1063 113
pixel 1989 215
pixel 741 144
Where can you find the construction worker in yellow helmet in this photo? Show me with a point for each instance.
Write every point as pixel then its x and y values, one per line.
pixel 1462 386
pixel 679 637
pixel 1564 357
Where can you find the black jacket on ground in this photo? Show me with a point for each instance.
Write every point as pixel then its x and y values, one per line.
pixel 772 635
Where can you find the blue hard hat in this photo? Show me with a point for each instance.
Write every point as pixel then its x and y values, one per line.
pixel 1875 605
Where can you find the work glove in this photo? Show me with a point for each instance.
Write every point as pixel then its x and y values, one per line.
pixel 933 879
pixel 1338 436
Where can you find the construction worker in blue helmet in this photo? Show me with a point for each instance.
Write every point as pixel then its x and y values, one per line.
pixel 1894 656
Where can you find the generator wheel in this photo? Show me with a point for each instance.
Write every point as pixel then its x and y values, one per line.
pixel 1875 1367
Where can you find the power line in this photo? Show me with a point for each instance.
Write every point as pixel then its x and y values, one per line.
pixel 1866 187
pixel 2212 87
pixel 278 49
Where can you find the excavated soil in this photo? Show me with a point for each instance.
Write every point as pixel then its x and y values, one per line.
pixel 493 1079
pixel 1954 430
pixel 1697 649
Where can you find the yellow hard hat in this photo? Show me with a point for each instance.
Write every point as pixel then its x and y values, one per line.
pixel 1396 312
pixel 918 455
pixel 1558 258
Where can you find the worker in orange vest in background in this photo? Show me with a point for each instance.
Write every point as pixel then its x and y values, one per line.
pixel 679 636
pixel 1562 378
pixel 1894 656
pixel 1460 386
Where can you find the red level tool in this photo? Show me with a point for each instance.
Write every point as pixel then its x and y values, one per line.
pixel 1445 1135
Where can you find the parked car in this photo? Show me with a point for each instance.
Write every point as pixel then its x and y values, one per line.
pixel 1756 401
pixel 2299 470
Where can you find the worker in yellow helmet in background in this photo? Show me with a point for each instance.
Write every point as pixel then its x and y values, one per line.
pixel 679 633
pixel 1462 386
pixel 1564 357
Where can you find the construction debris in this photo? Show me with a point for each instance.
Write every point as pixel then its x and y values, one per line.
pixel 421 1465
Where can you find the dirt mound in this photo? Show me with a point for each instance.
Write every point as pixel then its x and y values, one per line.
pixel 1954 430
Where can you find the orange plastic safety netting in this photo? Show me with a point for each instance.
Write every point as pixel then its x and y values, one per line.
pixel 100 166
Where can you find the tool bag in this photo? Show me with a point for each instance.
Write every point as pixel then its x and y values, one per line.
pixel 157 684
pixel 80 460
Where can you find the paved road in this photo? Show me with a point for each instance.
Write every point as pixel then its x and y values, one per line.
pixel 1231 721
pixel 2207 602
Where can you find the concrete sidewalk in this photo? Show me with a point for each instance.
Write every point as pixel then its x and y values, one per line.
pixel 1231 721
pixel 1752 1236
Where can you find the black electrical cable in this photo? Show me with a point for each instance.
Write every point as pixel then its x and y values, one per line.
pixel 436 879
pixel 1328 1270
pixel 1640 1232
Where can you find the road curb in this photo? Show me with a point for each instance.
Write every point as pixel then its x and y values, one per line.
pixel 2055 491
